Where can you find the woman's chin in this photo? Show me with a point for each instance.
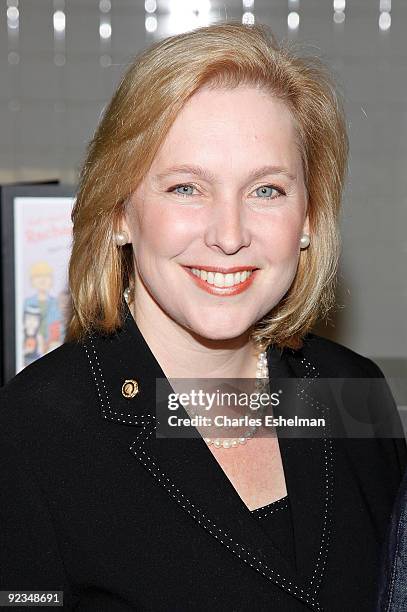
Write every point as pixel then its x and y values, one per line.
pixel 218 331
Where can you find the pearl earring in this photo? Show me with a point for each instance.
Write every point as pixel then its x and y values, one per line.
pixel 304 242
pixel 121 238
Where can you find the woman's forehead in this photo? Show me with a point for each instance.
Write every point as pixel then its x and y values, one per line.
pixel 240 106
pixel 228 125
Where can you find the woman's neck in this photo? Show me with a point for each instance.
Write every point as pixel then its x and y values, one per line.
pixel 183 354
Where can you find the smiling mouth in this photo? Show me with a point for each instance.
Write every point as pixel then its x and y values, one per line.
pixel 229 283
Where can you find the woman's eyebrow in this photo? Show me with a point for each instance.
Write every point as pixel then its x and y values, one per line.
pixel 209 176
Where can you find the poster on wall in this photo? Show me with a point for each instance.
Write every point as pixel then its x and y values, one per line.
pixel 36 243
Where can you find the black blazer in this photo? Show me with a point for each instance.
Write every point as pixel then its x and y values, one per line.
pixel 94 504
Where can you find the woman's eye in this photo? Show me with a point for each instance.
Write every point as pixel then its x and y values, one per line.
pixel 183 190
pixel 265 191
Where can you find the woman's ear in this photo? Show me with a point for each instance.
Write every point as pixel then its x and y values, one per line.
pixel 121 232
pixel 306 228
pixel 122 225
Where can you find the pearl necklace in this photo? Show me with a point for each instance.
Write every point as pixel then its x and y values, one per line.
pixel 262 372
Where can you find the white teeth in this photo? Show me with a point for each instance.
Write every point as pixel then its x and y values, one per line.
pixel 219 280
pixel 229 280
pixel 222 280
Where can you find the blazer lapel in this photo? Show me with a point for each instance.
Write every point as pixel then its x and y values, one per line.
pixel 189 473
pixel 308 463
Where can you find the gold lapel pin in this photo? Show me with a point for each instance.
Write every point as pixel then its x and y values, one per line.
pixel 130 388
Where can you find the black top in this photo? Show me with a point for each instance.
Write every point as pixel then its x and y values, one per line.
pixel 276 522
pixel 94 504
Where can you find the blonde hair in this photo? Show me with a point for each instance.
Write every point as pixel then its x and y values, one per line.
pixel 136 122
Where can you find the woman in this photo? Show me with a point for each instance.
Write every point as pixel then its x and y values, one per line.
pixel 205 245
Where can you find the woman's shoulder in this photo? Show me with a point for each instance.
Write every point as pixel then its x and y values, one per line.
pixel 337 360
pixel 57 382
pixel 49 371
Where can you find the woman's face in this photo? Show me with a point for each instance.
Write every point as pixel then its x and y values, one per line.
pixel 226 190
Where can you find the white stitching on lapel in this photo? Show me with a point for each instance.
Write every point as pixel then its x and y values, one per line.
pixel 328 453
pixel 130 420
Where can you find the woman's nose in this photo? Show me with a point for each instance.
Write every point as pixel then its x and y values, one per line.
pixel 227 227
